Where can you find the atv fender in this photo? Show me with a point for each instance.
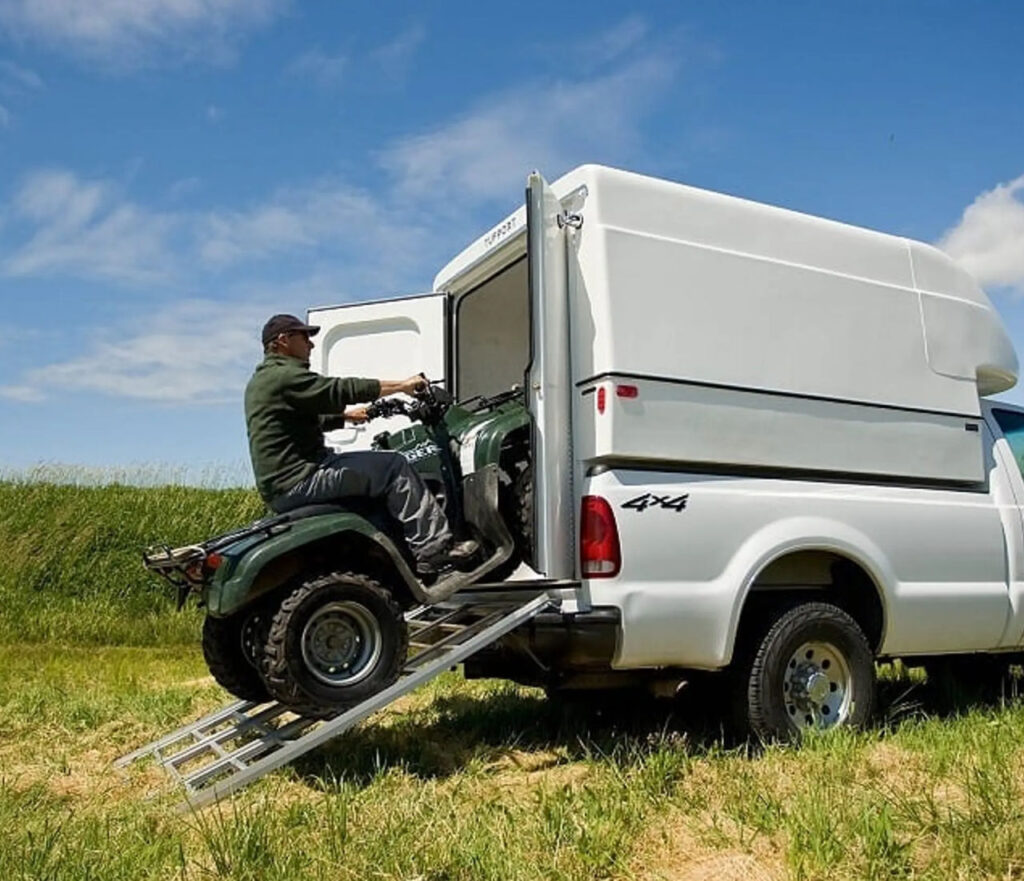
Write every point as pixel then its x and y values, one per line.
pixel 261 568
pixel 266 564
pixel 492 435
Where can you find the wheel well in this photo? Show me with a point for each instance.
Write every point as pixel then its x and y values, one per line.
pixel 808 575
pixel 349 550
pixel 515 444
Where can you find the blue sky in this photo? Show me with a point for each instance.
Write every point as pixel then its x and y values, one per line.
pixel 173 171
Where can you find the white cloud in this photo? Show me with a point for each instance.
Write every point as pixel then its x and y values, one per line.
pixel 183 187
pixel 322 68
pixel 394 58
pixel 125 32
pixel 25 394
pixel 291 219
pixel 196 350
pixel 15 79
pixel 485 154
pixel 85 228
pixel 88 229
pixel 611 44
pixel 989 239
pixel 329 219
pixel 389 62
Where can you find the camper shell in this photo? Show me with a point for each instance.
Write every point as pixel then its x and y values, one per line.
pixel 657 325
pixel 749 336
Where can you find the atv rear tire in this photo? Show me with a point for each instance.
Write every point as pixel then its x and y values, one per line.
pixel 230 664
pixel 334 641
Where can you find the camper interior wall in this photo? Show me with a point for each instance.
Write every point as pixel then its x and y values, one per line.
pixel 492 333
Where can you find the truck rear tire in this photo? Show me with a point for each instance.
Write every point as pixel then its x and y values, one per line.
pixel 335 641
pixel 812 670
pixel 230 661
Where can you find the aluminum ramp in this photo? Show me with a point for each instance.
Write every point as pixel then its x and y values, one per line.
pixel 240 743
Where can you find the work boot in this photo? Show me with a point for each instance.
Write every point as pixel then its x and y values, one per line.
pixel 459 555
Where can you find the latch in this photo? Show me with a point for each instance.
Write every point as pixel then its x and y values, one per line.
pixel 573 220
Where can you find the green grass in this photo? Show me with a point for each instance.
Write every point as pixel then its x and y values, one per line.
pixel 463 780
pixel 72 568
pixel 489 781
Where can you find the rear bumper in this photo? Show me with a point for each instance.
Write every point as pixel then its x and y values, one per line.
pixel 550 646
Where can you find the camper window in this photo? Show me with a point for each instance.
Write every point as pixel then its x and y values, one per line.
pixel 492 332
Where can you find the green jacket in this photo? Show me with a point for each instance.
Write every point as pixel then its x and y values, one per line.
pixel 288 408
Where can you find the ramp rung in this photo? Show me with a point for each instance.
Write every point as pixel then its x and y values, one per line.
pixel 461 629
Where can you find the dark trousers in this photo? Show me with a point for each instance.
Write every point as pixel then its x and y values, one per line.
pixel 376 475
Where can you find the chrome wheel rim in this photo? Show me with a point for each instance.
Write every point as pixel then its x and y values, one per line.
pixel 817 687
pixel 341 643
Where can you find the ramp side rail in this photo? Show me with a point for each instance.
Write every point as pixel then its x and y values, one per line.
pixel 238 744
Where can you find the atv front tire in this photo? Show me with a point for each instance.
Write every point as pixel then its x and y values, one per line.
pixel 230 661
pixel 335 641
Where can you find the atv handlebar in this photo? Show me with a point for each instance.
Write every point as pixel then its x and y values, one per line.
pixel 428 405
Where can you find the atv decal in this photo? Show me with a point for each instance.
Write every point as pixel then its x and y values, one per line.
pixel 423 450
pixel 650 500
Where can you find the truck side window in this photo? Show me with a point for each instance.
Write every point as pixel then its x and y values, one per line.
pixel 1012 424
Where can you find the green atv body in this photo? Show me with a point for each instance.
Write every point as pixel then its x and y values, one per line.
pixel 307 607
pixel 257 563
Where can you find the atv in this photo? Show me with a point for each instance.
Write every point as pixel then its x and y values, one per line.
pixel 307 607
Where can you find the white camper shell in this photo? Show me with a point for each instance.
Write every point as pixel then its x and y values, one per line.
pixel 748 336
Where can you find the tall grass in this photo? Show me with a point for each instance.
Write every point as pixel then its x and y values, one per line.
pixel 71 568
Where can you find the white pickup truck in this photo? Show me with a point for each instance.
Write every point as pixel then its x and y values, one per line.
pixel 759 441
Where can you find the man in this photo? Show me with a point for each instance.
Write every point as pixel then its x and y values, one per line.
pixel 288 407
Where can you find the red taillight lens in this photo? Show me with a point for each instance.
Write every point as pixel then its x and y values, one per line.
pixel 213 561
pixel 601 396
pixel 627 391
pixel 600 556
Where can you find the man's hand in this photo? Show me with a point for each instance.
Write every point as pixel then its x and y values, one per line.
pixel 356 415
pixel 402 386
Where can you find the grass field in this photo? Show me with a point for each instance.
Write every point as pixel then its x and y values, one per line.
pixel 461 780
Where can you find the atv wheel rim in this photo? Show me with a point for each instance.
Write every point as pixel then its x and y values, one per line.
pixel 251 639
pixel 817 687
pixel 341 643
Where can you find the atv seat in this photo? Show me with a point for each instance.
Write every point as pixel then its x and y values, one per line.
pixel 304 511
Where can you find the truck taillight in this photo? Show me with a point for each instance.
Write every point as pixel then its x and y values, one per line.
pixel 600 556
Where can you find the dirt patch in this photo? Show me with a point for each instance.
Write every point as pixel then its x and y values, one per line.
pixel 520 769
pixel 671 851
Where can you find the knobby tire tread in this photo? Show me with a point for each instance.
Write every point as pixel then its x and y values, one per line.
pixel 279 682
pixel 228 666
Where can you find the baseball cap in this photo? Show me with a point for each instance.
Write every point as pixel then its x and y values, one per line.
pixel 285 324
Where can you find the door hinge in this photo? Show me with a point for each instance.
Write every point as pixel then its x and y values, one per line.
pixel 567 219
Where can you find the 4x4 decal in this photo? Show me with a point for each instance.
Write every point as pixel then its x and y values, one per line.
pixel 650 500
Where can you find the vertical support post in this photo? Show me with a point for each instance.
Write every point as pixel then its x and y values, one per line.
pixel 549 383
